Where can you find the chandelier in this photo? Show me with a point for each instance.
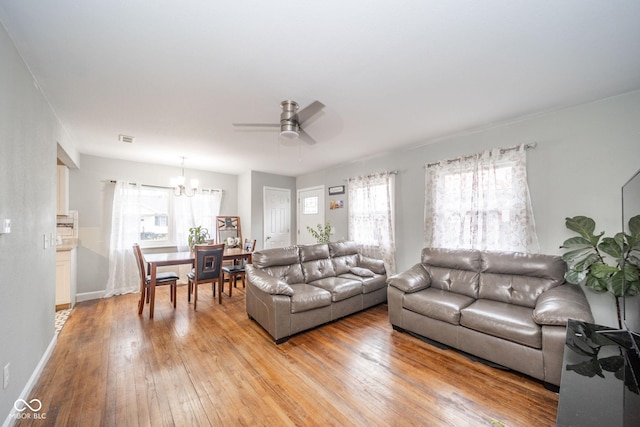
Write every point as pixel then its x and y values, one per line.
pixel 178 184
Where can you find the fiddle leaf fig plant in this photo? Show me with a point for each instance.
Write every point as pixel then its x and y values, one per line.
pixel 321 234
pixel 197 235
pixel 604 264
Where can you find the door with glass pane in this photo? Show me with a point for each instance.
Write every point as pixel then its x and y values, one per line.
pixel 310 212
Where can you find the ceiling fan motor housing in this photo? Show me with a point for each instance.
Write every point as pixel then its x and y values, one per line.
pixel 289 127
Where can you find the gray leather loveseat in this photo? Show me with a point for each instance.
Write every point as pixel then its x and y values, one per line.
pixel 508 308
pixel 296 288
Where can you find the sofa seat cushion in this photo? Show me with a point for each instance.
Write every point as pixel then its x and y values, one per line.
pixel 437 304
pixel 306 297
pixel 369 284
pixel 508 321
pixel 339 287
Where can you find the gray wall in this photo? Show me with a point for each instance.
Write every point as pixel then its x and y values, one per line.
pixel 584 155
pixel 29 133
pixel 91 195
pixel 259 180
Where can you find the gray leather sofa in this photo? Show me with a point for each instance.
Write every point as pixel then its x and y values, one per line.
pixel 293 289
pixel 507 308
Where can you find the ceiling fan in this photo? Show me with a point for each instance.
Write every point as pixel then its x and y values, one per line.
pixel 292 120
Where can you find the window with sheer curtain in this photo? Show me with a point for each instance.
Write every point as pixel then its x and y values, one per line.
pixel 152 216
pixel 480 202
pixel 371 215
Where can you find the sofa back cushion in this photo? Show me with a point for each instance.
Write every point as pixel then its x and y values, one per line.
pixel 454 270
pixel 344 256
pixel 316 263
pixel 459 259
pixel 282 263
pixel 519 278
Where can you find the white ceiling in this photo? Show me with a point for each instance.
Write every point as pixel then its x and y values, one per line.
pixel 176 74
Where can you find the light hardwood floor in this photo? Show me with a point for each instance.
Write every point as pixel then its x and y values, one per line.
pixel 217 367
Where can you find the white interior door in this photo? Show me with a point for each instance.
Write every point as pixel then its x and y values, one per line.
pixel 310 212
pixel 277 217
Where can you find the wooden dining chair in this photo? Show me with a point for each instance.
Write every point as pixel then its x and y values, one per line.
pixel 228 226
pixel 166 278
pixel 233 272
pixel 208 269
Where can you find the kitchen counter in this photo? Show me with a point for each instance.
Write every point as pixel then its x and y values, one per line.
pixel 67 245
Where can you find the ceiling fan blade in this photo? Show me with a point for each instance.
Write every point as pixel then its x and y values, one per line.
pixel 264 125
pixel 306 137
pixel 310 110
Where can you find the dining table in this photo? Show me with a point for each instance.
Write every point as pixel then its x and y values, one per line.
pixel 155 260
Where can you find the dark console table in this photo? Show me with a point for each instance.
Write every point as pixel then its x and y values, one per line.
pixel 598 386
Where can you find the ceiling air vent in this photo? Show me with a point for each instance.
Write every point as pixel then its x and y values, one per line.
pixel 126 138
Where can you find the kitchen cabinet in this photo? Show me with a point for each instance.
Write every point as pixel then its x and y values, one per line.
pixel 65 278
pixel 63 191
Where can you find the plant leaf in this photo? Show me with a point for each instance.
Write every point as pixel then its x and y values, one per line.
pixel 601 270
pixel 612 363
pixel 616 285
pixel 578 254
pixel 634 226
pixel 582 225
pixel 586 263
pixel 576 243
pixel 598 285
pixel 589 368
pixel 575 277
pixel 632 288
pixel 612 246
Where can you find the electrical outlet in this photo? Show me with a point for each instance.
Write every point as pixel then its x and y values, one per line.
pixel 5 376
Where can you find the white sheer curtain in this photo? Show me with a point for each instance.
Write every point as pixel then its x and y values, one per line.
pixel 371 216
pixel 125 225
pixel 201 209
pixel 480 202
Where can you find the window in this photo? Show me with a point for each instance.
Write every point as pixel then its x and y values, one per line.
pixel 155 212
pixel 480 202
pixel 310 205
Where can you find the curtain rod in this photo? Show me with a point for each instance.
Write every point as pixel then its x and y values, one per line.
pixel 394 172
pixel 529 146
pixel 113 181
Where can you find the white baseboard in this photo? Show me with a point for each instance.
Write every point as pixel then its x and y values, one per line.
pixel 87 296
pixel 32 381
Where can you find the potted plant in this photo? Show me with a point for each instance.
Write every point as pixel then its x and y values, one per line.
pixel 321 234
pixel 604 264
pixel 197 236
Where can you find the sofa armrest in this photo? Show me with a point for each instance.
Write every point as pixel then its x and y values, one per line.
pixel 557 305
pixel 267 283
pixel 375 265
pixel 412 280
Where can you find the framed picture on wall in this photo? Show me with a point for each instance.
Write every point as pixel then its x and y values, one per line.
pixel 338 189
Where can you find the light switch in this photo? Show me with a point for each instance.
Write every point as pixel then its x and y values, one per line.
pixel 5 226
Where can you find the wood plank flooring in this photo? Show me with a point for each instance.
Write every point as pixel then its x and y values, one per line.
pixel 216 367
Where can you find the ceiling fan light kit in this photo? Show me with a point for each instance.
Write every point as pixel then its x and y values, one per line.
pixel 291 120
